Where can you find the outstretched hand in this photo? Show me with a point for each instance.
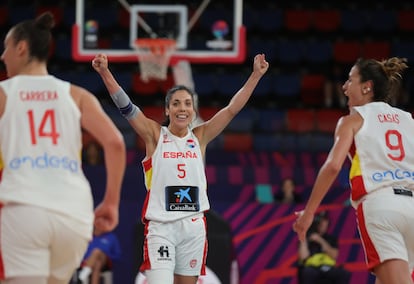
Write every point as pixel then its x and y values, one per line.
pixel 260 64
pixel 302 224
pixel 100 62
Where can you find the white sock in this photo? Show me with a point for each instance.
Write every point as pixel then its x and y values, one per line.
pixel 84 273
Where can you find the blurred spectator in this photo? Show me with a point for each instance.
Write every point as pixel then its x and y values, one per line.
pixel 287 193
pixel 317 256
pixel 102 251
pixel 333 94
pixel 93 154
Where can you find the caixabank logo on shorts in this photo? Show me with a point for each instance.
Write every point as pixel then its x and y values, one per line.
pixel 45 161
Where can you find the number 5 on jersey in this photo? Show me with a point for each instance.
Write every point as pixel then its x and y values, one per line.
pixel 181 170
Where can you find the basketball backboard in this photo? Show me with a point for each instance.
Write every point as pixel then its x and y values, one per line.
pixel 206 31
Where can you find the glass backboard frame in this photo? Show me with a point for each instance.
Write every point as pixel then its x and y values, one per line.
pixel 236 54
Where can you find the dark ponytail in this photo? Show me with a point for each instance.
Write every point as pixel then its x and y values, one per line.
pixel 37 33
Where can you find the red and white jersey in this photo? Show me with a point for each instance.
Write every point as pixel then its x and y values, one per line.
pixel 40 146
pixel 175 179
pixel 383 152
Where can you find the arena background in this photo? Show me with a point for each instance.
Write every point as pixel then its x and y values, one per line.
pixel 285 131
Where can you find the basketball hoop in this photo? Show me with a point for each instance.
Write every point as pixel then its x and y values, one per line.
pixel 154 57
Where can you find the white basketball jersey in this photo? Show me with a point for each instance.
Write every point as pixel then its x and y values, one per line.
pixel 40 145
pixel 384 149
pixel 175 179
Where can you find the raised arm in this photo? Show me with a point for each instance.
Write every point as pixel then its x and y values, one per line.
pixel 146 128
pixel 213 127
pixel 344 135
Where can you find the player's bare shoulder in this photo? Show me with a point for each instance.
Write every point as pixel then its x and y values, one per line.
pixel 352 121
pixel 81 96
pixel 199 132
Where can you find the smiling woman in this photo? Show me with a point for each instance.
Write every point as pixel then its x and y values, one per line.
pixel 175 176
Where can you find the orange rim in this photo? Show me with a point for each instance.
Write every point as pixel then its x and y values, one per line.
pixel 159 45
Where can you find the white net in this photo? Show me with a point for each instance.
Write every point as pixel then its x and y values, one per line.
pixel 154 57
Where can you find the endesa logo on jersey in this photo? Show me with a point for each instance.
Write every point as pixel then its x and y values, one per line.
pixel 45 161
pixel 395 174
